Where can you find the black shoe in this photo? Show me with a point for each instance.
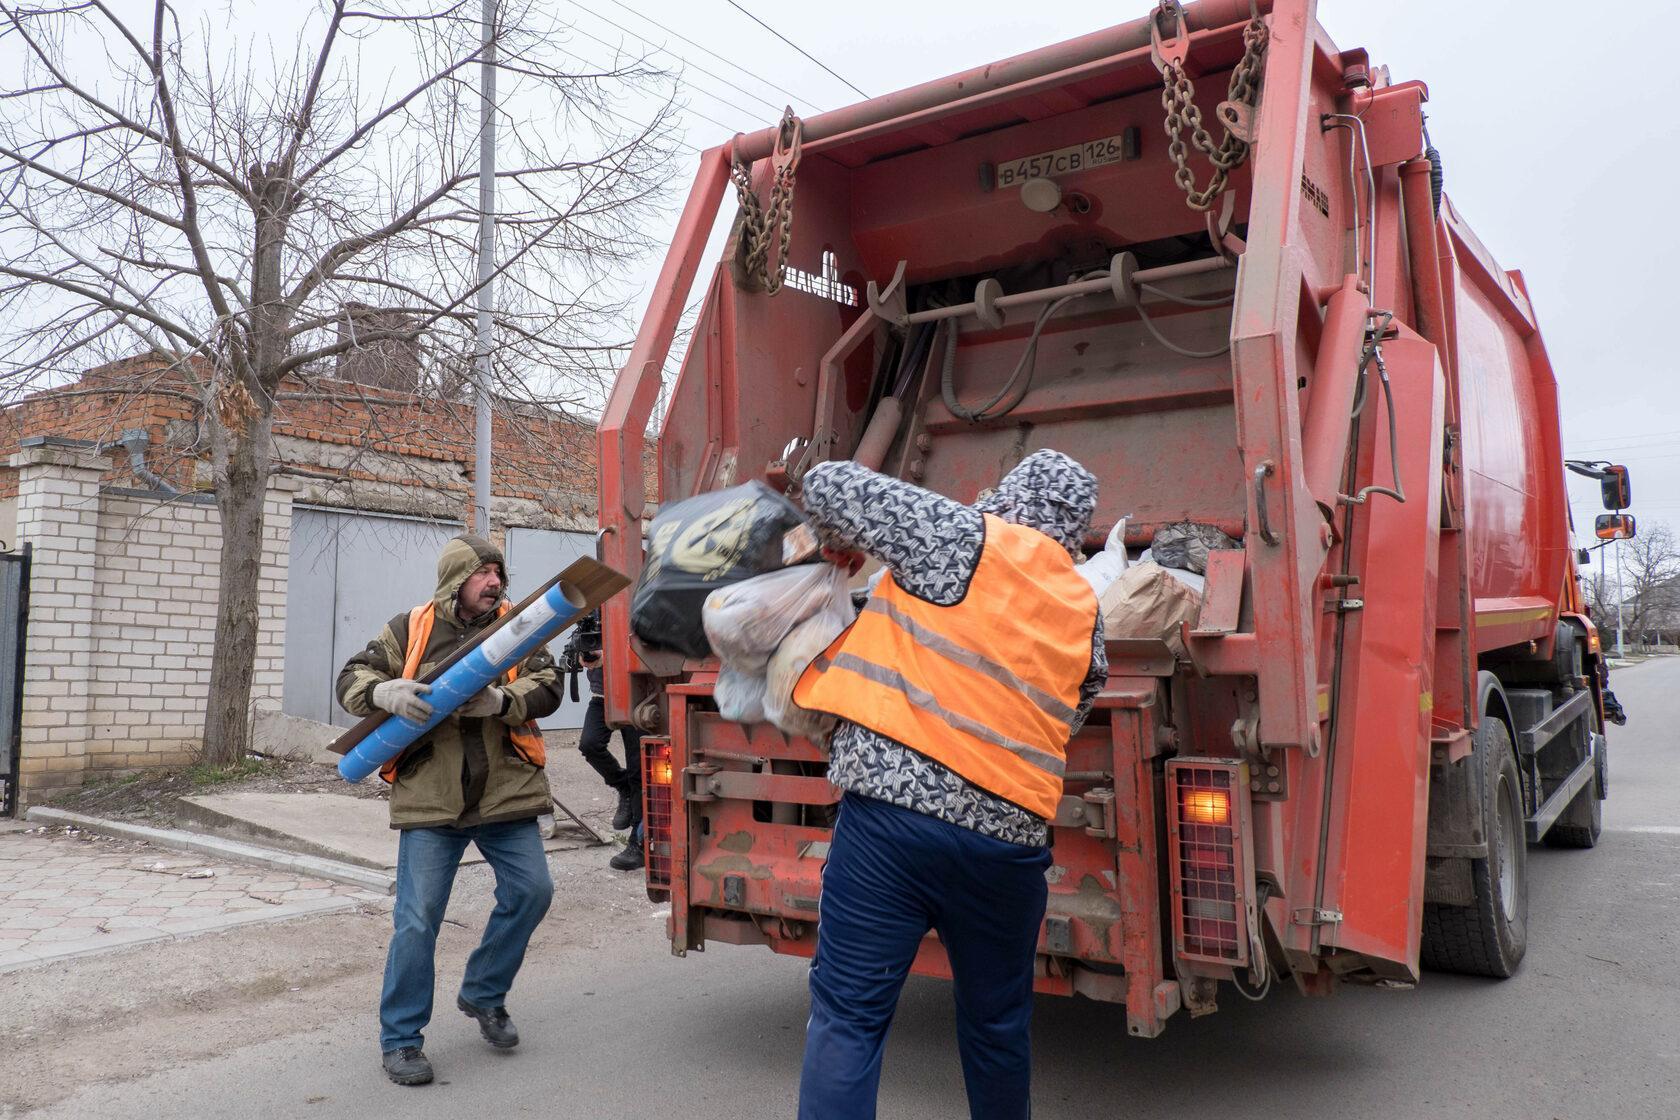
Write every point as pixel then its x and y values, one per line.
pixel 493 1024
pixel 629 859
pixel 629 809
pixel 408 1066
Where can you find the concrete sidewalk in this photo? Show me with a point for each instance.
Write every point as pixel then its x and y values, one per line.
pixel 67 893
pixel 354 830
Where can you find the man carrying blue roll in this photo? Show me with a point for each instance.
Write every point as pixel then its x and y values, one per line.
pixel 477 777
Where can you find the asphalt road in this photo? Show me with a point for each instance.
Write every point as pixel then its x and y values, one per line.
pixel 1589 1028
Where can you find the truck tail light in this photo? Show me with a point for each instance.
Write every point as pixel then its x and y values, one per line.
pixel 1209 849
pixel 656 810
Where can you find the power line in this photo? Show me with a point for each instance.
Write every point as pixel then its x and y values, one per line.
pixel 715 97
pixel 1619 440
pixel 794 45
pixel 687 109
pixel 700 46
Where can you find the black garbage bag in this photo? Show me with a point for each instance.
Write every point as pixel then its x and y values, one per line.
pixel 1185 544
pixel 699 545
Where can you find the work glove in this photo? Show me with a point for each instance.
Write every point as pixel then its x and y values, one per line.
pixel 401 697
pixel 487 702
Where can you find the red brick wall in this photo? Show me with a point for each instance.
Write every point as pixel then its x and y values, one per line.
pixel 539 455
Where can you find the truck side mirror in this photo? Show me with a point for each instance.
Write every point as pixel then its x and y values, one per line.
pixel 1614 526
pixel 1616 488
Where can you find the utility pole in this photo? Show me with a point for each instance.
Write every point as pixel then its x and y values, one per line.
pixel 486 269
pixel 1621 594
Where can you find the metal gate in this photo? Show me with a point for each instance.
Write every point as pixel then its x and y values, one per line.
pixel 14 618
pixel 350 573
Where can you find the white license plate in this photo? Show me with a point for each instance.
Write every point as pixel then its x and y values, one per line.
pixel 1066 161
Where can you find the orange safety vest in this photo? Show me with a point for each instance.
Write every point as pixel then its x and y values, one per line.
pixel 526 738
pixel 988 686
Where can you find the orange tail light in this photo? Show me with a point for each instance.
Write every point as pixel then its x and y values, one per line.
pixel 1209 849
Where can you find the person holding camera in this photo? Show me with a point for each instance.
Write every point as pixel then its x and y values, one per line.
pixel 583 653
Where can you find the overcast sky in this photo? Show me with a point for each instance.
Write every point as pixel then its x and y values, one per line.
pixel 1559 141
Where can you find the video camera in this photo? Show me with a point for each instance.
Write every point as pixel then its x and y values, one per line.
pixel 585 641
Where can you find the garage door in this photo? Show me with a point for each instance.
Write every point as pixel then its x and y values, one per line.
pixel 350 573
pixel 535 556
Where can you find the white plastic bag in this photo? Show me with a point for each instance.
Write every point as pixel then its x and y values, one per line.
pixel 1105 567
pixel 740 696
pixel 803 646
pixel 746 621
pixel 767 630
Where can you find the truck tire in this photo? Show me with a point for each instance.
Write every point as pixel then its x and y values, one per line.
pixel 1489 937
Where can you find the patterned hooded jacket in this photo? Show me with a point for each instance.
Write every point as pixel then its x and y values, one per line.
pixel 465 771
pixel 932 544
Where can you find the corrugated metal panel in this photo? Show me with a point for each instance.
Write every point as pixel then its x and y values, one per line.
pixel 350 573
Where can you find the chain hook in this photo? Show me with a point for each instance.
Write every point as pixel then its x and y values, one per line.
pixel 767 231
pixel 790 141
pixel 1169 55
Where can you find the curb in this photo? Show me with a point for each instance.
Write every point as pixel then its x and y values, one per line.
pixel 315 867
pixel 16 959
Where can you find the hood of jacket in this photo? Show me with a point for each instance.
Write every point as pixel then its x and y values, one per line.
pixel 460 558
pixel 1050 492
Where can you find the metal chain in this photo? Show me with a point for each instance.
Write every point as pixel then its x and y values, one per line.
pixel 1178 99
pixel 764 229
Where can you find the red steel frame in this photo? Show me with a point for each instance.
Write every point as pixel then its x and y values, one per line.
pixel 1336 651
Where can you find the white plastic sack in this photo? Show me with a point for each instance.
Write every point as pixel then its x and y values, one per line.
pixel 1188 578
pixel 1105 567
pixel 767 630
pixel 803 646
pixel 746 621
pixel 740 696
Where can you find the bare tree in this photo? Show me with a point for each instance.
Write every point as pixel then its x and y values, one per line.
pixel 1651 583
pixel 251 221
pixel 1601 598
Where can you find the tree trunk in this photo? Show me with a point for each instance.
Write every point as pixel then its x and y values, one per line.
pixel 240 448
pixel 240 415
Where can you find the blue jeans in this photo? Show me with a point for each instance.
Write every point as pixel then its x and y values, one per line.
pixel 893 874
pixel 427 859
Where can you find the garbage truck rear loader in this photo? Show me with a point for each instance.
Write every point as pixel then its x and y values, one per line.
pixel 1278 326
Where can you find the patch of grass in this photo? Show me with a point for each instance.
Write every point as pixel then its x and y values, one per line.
pixel 204 774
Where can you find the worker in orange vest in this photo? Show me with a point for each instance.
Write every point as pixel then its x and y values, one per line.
pixel 973 662
pixel 476 778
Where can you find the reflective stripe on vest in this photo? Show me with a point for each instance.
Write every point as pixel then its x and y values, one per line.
pixel 988 687
pixel 527 740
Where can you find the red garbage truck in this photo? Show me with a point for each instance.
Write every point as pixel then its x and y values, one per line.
pixel 1207 253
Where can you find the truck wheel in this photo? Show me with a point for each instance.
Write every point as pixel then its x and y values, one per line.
pixel 1582 823
pixel 1489 937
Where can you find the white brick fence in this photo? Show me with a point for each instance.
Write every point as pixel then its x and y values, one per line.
pixel 122 615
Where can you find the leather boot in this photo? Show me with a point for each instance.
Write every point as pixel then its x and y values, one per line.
pixel 631 857
pixel 493 1024
pixel 408 1066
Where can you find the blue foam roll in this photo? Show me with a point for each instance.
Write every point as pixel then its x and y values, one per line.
pixel 531 628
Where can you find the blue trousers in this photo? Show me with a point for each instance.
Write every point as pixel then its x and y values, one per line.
pixel 427 859
pixel 892 875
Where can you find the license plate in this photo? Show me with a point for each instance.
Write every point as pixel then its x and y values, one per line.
pixel 1067 161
